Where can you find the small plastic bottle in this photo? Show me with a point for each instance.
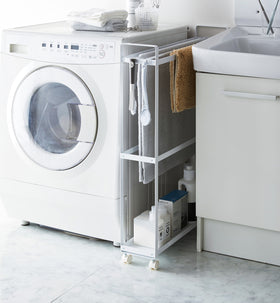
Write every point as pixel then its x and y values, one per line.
pixel 188 183
pixel 131 6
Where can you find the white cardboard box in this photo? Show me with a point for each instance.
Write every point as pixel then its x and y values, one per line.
pixel 176 204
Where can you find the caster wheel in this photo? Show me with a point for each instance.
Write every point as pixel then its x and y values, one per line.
pixel 127 259
pixel 25 223
pixel 154 265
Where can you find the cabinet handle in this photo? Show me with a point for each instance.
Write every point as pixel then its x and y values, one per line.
pixel 250 95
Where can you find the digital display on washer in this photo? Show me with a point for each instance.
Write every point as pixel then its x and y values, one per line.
pixel 75 47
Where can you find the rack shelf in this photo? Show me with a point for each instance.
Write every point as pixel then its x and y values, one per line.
pixel 146 252
pixel 154 56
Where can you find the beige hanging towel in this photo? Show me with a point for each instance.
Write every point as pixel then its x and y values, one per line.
pixel 182 80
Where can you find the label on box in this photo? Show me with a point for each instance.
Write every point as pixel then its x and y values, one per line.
pixel 174 202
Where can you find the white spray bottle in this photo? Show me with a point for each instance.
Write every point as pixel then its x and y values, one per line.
pixel 188 183
pixel 131 6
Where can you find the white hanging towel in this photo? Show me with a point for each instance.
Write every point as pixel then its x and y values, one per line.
pixel 97 17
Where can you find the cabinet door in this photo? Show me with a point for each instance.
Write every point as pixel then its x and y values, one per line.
pixel 238 150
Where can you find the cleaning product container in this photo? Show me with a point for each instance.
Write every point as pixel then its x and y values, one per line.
pixel 177 205
pixel 131 6
pixel 144 227
pixel 188 183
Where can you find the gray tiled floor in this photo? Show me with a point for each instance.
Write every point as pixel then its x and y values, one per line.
pixel 43 265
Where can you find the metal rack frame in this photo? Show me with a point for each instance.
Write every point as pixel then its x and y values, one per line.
pixel 155 57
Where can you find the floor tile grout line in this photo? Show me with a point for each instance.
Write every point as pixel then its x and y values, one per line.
pixel 75 285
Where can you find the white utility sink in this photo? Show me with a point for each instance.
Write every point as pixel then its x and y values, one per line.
pixel 238 52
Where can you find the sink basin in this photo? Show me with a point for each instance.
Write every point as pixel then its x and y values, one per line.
pixel 250 45
pixel 239 52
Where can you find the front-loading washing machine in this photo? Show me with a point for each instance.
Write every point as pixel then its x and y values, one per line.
pixel 61 106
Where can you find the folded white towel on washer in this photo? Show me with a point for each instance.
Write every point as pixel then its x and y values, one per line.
pixel 114 25
pixel 97 17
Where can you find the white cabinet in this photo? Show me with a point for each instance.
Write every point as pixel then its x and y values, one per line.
pixel 238 157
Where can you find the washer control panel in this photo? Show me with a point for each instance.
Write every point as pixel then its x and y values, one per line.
pixel 63 49
pixel 95 52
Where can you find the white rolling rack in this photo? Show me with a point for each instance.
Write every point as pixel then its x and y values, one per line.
pixel 154 56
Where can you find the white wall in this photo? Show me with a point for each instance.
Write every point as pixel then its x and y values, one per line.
pixel 22 12
pixel 198 12
pixel 203 12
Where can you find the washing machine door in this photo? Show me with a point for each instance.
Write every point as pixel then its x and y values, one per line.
pixel 54 118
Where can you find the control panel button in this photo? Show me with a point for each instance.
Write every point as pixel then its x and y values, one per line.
pixel 102 54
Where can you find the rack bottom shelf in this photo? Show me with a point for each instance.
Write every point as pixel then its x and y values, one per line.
pixel 150 252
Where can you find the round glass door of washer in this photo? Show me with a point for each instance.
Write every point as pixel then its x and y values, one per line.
pixel 54 118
